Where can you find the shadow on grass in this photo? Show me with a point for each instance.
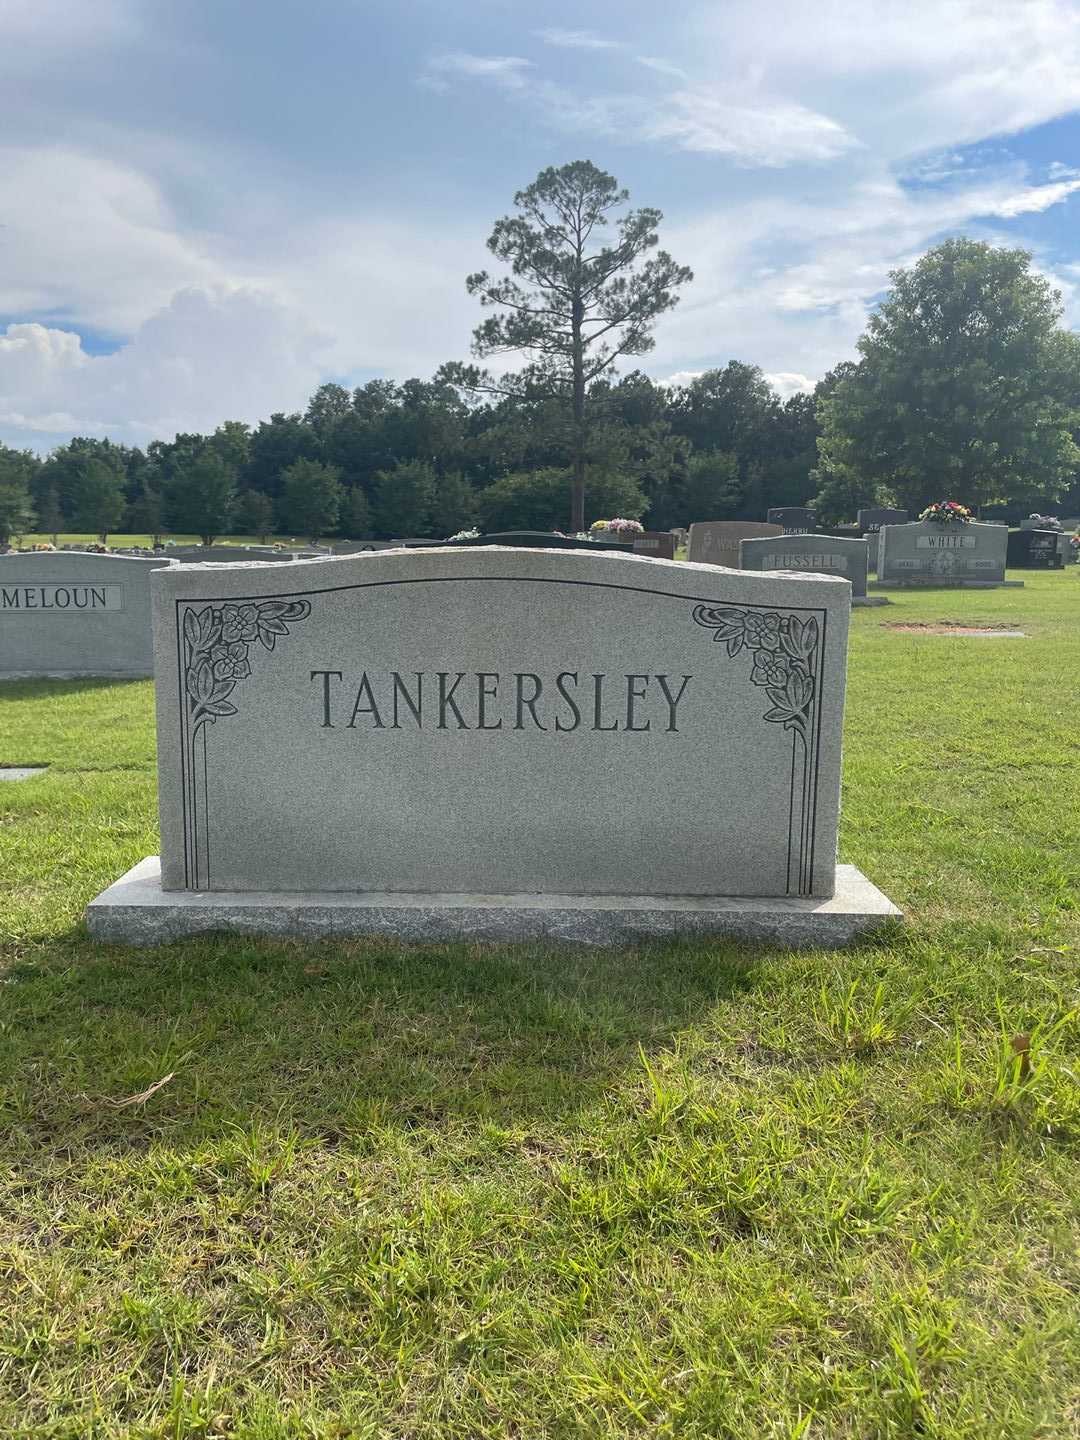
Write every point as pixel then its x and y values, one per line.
pixel 46 687
pixel 332 1038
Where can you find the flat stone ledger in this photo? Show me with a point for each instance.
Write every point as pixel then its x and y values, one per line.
pixel 925 553
pixel 499 720
pixel 73 613
pixel 716 542
pixel 819 554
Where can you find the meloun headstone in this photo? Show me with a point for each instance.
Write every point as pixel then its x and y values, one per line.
pixel 872 519
pixel 499 743
pixel 660 544
pixel 71 613
pixel 819 554
pixel 926 553
pixel 793 519
pixel 716 542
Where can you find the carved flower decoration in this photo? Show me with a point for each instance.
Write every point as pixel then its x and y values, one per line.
pixel 239 622
pixel 761 632
pixel 217 644
pixel 769 669
pixel 230 662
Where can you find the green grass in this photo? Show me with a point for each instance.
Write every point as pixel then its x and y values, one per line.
pixel 129 541
pixel 688 1190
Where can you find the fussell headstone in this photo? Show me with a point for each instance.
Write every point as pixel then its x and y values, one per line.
pixel 69 613
pixel 794 519
pixel 926 553
pixel 716 542
pixel 497 742
pixel 820 554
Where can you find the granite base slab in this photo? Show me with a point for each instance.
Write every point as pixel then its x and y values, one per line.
pixel 136 911
pixel 936 583
pixel 870 600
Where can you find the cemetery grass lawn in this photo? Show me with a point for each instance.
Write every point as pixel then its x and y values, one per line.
pixel 131 541
pixel 455 1191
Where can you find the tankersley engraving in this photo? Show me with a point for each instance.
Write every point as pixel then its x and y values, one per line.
pixel 48 595
pixel 493 700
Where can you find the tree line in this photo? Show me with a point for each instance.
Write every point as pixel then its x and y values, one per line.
pixel 966 386
pixel 417 459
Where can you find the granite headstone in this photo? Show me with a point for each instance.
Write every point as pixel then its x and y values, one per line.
pixel 71 613
pixel 794 519
pixel 819 554
pixel 925 553
pixel 660 544
pixel 716 542
pixel 1031 549
pixel 497 742
pixel 872 519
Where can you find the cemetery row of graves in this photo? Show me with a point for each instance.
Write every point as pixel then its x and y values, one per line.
pixel 784 1140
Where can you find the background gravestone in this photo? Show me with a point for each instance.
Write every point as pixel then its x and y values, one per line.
pixel 871 520
pixel 793 519
pixel 1031 549
pixel 925 553
pixel 226 554
pixel 68 613
pixel 716 542
pixel 819 554
pixel 660 544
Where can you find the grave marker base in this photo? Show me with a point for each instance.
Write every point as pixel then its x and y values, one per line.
pixel 136 911
pixel 935 582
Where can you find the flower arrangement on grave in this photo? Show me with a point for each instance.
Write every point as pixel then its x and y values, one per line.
pixel 947 512
pixel 1045 522
pixel 472 534
pixel 617 529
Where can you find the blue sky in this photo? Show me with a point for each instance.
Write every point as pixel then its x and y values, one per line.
pixel 207 207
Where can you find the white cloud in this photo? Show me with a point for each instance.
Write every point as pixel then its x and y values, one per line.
pixel 509 72
pixel 1036 198
pixel 787 383
pixel 89 240
pixel 752 132
pixel 206 357
pixel 577 40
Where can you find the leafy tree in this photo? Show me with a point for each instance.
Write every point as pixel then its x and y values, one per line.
pixel 18 468
pixel 16 512
pixel 574 309
pixel 96 497
pixel 232 441
pixel 65 469
pixel 49 515
pixel 355 516
pixel 733 409
pixel 254 515
pixel 536 500
pixel 274 445
pixel 714 488
pixel 329 405
pixel 453 504
pixel 147 512
pixel 200 497
pixel 403 500
pixel 963 388
pixel 310 498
